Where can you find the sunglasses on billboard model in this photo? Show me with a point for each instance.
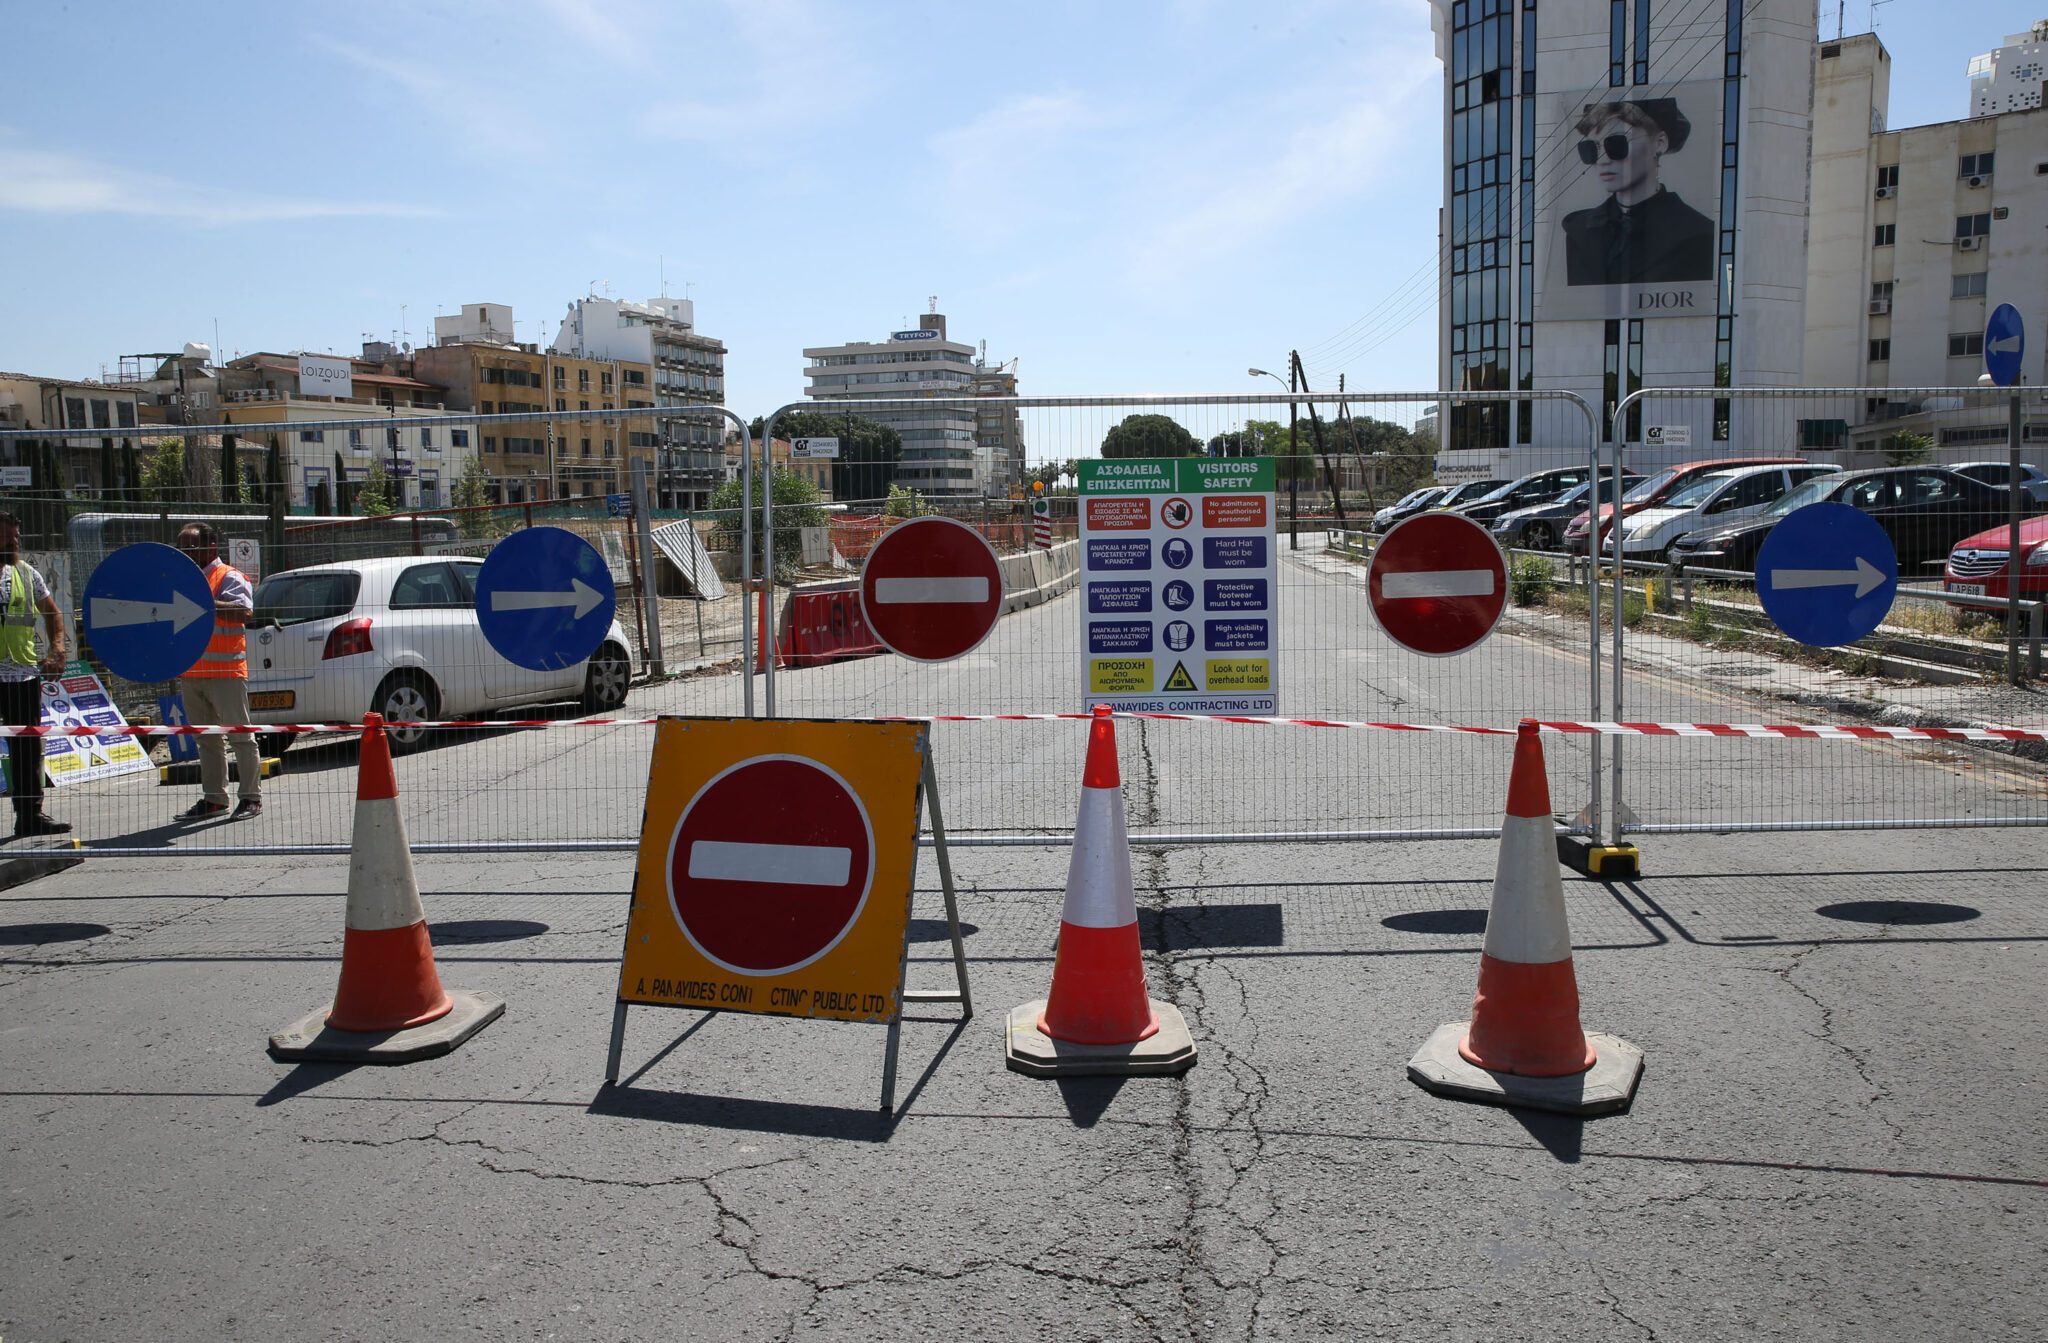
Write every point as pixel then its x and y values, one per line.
pixel 1617 147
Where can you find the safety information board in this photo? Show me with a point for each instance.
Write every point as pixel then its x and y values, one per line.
pixel 1180 584
pixel 82 701
pixel 776 859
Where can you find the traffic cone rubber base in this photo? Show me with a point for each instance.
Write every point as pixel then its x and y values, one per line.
pixel 1029 1050
pixel 1609 1085
pixel 311 1039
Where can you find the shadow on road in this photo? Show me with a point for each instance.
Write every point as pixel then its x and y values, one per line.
pixel 1088 1098
pixel 304 1078
pixel 1563 1136
pixel 753 1116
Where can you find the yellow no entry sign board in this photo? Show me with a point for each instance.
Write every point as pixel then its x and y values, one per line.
pixel 777 860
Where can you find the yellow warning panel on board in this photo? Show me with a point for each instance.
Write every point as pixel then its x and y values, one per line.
pixel 1120 676
pixel 1178 678
pixel 1240 674
pixel 776 859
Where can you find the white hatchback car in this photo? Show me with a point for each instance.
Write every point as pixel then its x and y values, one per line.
pixel 1709 501
pixel 400 637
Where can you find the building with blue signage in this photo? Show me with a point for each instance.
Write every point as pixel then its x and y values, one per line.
pixel 954 448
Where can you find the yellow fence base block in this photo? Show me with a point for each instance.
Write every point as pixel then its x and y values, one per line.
pixel 187 771
pixel 1606 862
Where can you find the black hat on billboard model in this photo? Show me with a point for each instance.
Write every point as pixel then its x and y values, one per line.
pixel 1664 111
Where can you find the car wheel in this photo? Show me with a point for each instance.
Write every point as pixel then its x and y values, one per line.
pixel 1539 537
pixel 273 745
pixel 406 697
pixel 604 684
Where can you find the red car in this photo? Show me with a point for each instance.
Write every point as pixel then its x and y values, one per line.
pixel 1977 566
pixel 1655 489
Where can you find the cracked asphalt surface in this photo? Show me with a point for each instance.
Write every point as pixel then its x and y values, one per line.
pixel 1838 1133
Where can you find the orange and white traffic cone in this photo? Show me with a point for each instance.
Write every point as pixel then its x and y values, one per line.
pixel 1524 1045
pixel 389 1006
pixel 1098 1019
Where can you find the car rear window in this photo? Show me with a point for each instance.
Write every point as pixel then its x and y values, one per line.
pixel 295 598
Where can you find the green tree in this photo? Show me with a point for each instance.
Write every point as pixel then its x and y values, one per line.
pixel 796 507
pixel 472 492
pixel 344 492
pixel 163 474
pixel 1149 436
pixel 868 451
pixel 377 496
pixel 904 503
pixel 1906 449
pixel 230 472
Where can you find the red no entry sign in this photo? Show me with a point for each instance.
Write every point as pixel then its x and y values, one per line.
pixel 1438 584
pixel 770 864
pixel 931 589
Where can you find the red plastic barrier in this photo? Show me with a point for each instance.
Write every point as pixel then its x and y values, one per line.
pixel 825 627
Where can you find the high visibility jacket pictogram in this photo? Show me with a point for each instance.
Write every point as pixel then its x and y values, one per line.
pixel 227 652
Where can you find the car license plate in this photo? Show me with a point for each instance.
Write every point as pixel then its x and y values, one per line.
pixel 1967 589
pixel 272 699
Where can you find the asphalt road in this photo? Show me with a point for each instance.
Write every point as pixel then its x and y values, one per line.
pixel 1837 1135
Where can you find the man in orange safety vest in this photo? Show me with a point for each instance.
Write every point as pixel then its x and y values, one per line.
pixel 216 689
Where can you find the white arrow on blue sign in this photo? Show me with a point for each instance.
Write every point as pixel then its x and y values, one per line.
pixel 143 612
pixel 544 598
pixel 1827 574
pixel 2005 343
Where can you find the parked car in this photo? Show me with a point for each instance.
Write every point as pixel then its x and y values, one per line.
pixel 1411 503
pixel 1655 489
pixel 1978 566
pixel 2032 483
pixel 400 637
pixel 1538 527
pixel 1538 487
pixel 1925 510
pixel 1720 496
pixel 1465 494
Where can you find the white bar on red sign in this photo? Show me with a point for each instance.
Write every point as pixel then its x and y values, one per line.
pixel 906 591
pixel 1438 583
pixel 779 864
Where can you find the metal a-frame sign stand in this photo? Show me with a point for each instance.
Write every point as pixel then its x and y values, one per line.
pixel 927 792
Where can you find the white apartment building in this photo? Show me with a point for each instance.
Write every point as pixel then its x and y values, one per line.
pixel 688 369
pixel 1917 234
pixel 945 449
pixel 1624 207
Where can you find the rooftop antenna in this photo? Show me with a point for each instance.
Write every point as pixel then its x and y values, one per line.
pixel 403 330
pixel 1873 12
pixel 933 301
pixel 661 269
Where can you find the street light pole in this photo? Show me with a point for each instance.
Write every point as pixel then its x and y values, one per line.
pixel 1293 480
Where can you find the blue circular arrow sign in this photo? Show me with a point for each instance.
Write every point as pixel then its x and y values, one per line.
pixel 2005 343
pixel 148 612
pixel 544 598
pixel 1827 574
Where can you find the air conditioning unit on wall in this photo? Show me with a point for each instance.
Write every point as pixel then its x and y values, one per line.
pixel 1880 306
pixel 1980 179
pixel 1886 193
pixel 1968 244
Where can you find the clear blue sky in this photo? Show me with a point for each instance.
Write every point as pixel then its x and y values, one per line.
pixel 1125 196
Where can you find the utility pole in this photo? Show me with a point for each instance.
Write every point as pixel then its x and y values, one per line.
pixel 1316 423
pixel 1293 474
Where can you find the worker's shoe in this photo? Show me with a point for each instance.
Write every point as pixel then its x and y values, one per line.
pixel 202 810
pixel 28 823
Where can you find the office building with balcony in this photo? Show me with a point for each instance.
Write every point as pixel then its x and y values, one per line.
pixel 1917 234
pixel 667 364
pixel 945 449
pixel 483 370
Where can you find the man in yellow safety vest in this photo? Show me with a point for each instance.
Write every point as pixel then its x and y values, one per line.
pixel 23 593
pixel 216 690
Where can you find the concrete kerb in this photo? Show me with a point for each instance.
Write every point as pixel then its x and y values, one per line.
pixel 1038 576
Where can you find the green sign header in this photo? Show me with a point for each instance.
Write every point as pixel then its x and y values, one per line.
pixel 1178 475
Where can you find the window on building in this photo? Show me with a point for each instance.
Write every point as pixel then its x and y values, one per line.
pixel 458 438
pixel 1881 289
pixel 1965 344
pixel 102 414
pixel 608 448
pixel 427 439
pixel 312 436
pixel 490 443
pixel 1973 226
pixel 1880 350
pixel 355 440
pixel 582 379
pixel 583 405
pixel 1830 51
pixel 74 412
pixel 487 407
pixel 124 414
pixel 586 447
pixel 605 381
pixel 1888 175
pixel 1974 165
pixel 560 375
pixel 1887 235
pixel 1966 286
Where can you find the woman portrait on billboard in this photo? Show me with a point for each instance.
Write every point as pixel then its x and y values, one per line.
pixel 1642 233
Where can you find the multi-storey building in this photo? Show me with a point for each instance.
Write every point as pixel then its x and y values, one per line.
pixel 93 412
pixel 947 450
pixel 1621 210
pixel 1916 235
pixel 482 370
pixel 666 363
pixel 268 393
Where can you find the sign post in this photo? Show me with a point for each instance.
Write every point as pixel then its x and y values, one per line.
pixel 1181 575
pixel 777 862
pixel 2005 346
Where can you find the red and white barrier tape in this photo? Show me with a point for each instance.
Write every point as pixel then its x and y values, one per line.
pixel 1824 732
